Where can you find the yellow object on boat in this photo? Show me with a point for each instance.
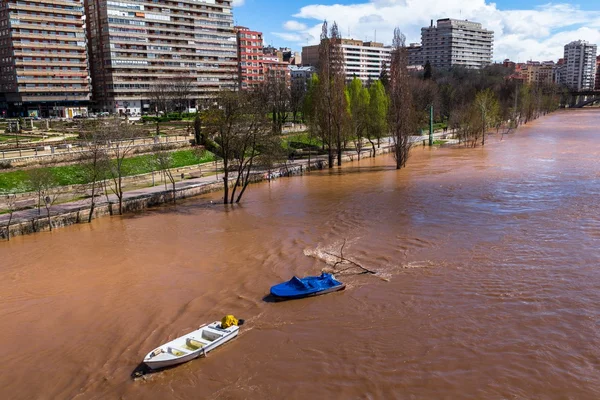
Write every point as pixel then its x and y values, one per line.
pixel 228 320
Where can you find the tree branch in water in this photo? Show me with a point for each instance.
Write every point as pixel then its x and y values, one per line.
pixel 344 260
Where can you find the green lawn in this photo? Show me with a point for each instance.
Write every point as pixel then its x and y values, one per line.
pixel 302 141
pixel 436 127
pixel 18 181
pixel 5 138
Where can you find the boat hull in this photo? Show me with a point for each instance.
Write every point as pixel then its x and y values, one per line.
pixel 297 288
pixel 178 351
pixel 303 295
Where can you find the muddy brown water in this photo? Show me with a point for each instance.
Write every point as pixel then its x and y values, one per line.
pixel 489 283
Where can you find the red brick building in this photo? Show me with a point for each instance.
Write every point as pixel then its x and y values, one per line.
pixel 275 68
pixel 250 57
pixel 253 64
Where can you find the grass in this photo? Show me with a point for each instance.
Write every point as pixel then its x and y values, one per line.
pixel 302 141
pixel 4 138
pixel 18 181
pixel 436 127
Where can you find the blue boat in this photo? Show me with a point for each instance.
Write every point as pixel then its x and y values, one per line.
pixel 297 288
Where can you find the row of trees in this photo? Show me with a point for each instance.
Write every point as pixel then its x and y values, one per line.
pixel 472 102
pixel 243 128
pixel 338 113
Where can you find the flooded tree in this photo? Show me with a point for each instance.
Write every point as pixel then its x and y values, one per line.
pixel 11 207
pixel 330 96
pixel 40 181
pixel 377 114
pixel 120 145
pixel 43 181
pixel 163 160
pixel 96 168
pixel 487 104
pixel 401 111
pixel 357 98
pixel 237 124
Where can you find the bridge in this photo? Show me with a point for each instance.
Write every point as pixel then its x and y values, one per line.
pixel 583 98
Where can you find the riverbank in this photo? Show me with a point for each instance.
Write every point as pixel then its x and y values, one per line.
pixel 31 221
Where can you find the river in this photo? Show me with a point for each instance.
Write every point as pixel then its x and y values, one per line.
pixel 488 284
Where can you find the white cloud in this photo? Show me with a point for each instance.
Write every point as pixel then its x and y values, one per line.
pixel 520 35
pixel 294 26
pixel 238 3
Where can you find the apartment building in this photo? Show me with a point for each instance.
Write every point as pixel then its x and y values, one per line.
pixel 300 77
pixel 43 58
pixel 455 42
pixel 273 67
pixel 415 54
pixel 250 55
pixel 257 63
pixel 540 73
pixel 597 85
pixel 361 59
pixel 579 69
pixel 136 45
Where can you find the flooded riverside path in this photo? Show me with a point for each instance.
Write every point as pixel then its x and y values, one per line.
pixel 493 291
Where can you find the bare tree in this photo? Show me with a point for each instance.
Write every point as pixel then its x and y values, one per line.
pixel 487 103
pixel 237 123
pixel 120 146
pixel 330 94
pixel 44 183
pixel 163 160
pixel 297 93
pixel 181 91
pixel 467 124
pixel 11 206
pixel 160 95
pixel 40 180
pixel 51 194
pixel 401 113
pixel 311 112
pixel 96 168
pixel 276 93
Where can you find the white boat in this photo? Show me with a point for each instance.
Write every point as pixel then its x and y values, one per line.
pixel 195 344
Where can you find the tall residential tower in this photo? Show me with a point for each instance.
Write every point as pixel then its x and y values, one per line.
pixel 456 42
pixel 43 58
pixel 136 45
pixel 579 69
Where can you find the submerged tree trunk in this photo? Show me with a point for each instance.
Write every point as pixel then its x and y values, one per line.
pixel 93 204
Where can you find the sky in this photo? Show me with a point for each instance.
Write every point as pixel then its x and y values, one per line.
pixel 523 29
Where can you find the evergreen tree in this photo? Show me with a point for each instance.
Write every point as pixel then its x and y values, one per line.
pixel 384 77
pixel 427 74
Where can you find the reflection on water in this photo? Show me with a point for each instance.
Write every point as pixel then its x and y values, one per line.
pixel 487 288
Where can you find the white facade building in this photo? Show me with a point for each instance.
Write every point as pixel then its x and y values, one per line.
pixel 456 42
pixel 579 70
pixel 361 59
